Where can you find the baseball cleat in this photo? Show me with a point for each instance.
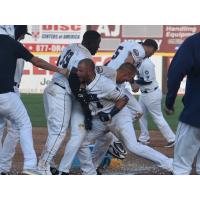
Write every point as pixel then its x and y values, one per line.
pixel 144 142
pixel 30 172
pixel 170 144
pixel 54 171
pixel 64 173
pixel 168 166
pixel 5 173
pixel 99 172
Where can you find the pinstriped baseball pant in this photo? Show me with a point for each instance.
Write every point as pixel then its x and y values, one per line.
pixel 187 147
pixel 57 105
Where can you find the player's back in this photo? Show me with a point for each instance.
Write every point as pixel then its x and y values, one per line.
pixel 69 58
pixel 147 73
pixel 122 51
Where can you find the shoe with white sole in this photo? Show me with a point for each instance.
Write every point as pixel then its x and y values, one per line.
pixel 168 166
pixel 44 171
pixel 145 142
pixel 170 144
pixel 30 172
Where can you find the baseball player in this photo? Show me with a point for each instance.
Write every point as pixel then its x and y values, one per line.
pixel 150 101
pixel 11 106
pixel 138 51
pixel 61 107
pixel 108 106
pixel 8 148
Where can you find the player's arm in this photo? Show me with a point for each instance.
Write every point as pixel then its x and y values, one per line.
pixel 141 81
pixel 116 95
pixel 22 52
pixel 135 84
pixel 38 62
pixel 120 103
pixel 180 65
pixel 129 58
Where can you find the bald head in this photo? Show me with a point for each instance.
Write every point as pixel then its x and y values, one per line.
pixel 127 67
pixel 125 72
pixel 88 64
pixel 86 70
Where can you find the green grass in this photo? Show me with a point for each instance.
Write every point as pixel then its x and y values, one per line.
pixel 172 119
pixel 35 108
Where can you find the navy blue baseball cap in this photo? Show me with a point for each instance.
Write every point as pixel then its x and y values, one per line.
pixel 21 30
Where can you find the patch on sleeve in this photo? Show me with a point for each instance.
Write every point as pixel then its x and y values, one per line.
pixel 136 52
pixel 99 69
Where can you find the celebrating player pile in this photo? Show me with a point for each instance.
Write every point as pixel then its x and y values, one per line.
pixel 95 102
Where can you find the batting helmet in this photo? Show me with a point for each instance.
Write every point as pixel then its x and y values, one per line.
pixel 117 150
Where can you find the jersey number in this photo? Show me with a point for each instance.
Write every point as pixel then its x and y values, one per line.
pixel 65 61
pixel 117 52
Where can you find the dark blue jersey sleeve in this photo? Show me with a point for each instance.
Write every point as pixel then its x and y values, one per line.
pixel 21 51
pixel 141 81
pixel 180 67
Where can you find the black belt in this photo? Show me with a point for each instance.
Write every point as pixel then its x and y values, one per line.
pixel 149 91
pixel 16 84
pixel 59 85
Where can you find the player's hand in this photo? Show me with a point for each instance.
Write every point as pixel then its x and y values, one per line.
pixel 129 58
pixel 169 111
pixel 104 117
pixel 135 87
pixel 63 71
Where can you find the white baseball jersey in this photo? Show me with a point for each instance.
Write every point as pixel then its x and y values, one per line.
pixel 110 73
pixel 147 72
pixel 7 30
pixel 69 58
pixel 19 70
pixel 107 72
pixel 122 52
pixel 104 93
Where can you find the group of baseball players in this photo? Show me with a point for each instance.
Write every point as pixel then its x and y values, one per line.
pixel 95 103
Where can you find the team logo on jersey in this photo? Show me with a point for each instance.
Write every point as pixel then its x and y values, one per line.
pixel 136 52
pixel 99 69
pixel 146 72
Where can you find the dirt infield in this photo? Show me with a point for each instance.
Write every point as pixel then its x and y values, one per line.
pixel 131 165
